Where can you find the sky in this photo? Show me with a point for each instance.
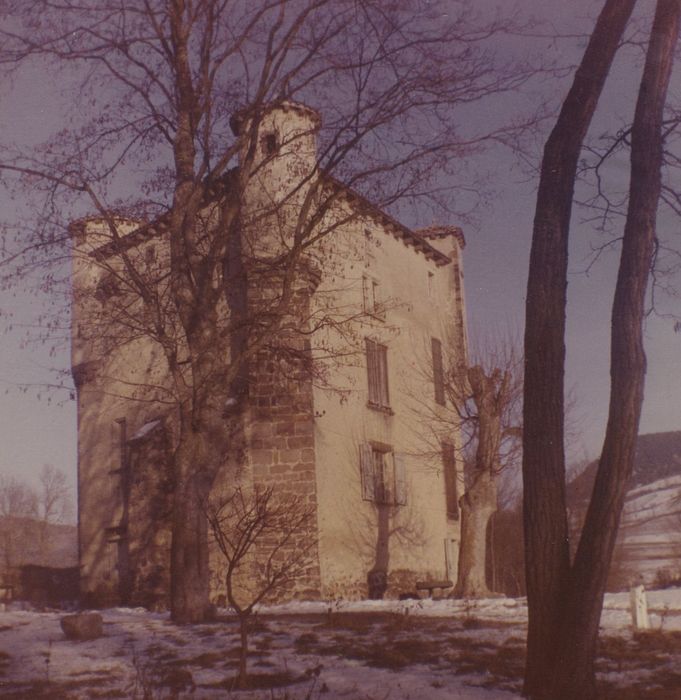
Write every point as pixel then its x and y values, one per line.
pixel 497 255
pixel 35 431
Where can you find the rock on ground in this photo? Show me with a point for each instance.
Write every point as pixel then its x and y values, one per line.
pixel 82 626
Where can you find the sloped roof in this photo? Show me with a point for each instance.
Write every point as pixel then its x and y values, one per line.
pixel 418 240
pixel 410 238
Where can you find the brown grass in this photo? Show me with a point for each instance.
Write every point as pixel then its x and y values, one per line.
pixel 648 654
pixel 207 659
pixel 44 690
pixel 256 681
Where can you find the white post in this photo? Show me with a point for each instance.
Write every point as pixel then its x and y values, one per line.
pixel 639 608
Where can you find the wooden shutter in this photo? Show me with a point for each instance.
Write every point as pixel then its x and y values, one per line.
pixel 372 373
pixel 366 464
pixel 438 371
pixel 382 479
pixel 382 354
pixel 451 488
pixel 376 305
pixel 399 462
pixel 366 294
pixel 377 374
pixel 451 558
pixel 371 302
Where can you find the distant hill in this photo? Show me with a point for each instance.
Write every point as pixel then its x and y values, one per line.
pixel 648 546
pixel 658 456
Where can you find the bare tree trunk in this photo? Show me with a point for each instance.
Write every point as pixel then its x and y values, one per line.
pixel 546 531
pixel 189 547
pixel 574 667
pixel 478 505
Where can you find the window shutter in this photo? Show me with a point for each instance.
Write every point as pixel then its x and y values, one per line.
pixel 400 479
pixel 382 479
pixel 451 487
pixel 366 463
pixel 376 306
pixel 383 369
pixel 377 374
pixel 372 372
pixel 451 558
pixel 366 291
pixel 438 371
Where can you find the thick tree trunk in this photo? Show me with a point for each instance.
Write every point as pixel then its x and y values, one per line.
pixel 546 531
pixel 478 505
pixel 209 440
pixel 189 548
pixel 574 666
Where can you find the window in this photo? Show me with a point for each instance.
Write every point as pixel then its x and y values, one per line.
pixel 269 144
pixel 451 489
pixel 108 287
pixel 377 375
pixel 431 283
pixel 371 297
pixel 451 558
pixel 438 371
pixel 383 475
pixel 370 245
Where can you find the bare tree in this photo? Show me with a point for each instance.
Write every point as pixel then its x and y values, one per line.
pixel 491 394
pixel 54 500
pixel 478 397
pixel 486 397
pixel 18 509
pixel 177 93
pixel 565 600
pixel 258 534
pixel 26 514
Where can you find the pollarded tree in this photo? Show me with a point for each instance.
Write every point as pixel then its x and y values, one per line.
pixel 494 395
pixel 478 398
pixel 564 599
pixel 486 397
pixel 170 94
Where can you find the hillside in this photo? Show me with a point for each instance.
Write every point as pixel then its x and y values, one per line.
pixel 649 541
pixel 658 456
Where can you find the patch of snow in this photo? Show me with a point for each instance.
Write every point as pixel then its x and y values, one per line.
pixel 138 645
pixel 145 430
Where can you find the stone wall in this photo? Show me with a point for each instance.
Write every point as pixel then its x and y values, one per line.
pixel 281 428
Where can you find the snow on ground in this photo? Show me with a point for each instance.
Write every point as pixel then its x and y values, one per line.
pixel 365 650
